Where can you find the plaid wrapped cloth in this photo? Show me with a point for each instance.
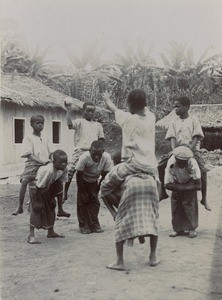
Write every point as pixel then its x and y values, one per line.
pixel 138 210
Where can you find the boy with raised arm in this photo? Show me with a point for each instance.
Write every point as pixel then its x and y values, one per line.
pixel 86 131
pixel 138 141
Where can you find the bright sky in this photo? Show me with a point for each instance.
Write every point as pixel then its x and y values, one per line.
pixel 74 22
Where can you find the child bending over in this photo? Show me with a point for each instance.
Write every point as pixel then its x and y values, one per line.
pixel 186 130
pixel 91 165
pixel 182 177
pixel 43 190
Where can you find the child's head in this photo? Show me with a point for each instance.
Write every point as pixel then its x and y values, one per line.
pixel 136 101
pixel 88 111
pixel 60 159
pixel 96 150
pixel 37 123
pixel 182 105
pixel 182 155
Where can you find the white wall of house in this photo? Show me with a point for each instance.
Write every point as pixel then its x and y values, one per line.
pixel 10 150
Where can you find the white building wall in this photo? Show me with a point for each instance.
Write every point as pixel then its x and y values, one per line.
pixel 10 153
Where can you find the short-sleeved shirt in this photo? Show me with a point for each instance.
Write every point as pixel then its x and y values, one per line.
pixel 86 132
pixel 91 169
pixel 40 146
pixel 138 137
pixel 173 172
pixel 183 130
pixel 48 174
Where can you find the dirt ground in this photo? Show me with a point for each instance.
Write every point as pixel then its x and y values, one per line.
pixel 75 267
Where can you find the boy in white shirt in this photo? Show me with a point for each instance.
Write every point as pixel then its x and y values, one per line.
pixel 186 130
pixel 138 141
pixel 86 131
pixel 36 149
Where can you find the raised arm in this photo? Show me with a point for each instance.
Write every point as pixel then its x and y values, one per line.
pixel 109 103
pixel 68 114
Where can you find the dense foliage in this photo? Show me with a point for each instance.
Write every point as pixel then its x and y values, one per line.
pixel 88 76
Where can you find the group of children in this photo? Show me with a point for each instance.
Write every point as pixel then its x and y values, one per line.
pixel 46 170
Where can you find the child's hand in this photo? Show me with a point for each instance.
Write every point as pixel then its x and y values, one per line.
pixel 109 103
pixel 106 96
pixel 67 103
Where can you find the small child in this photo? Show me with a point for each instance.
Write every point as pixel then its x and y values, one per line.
pixel 86 130
pixel 186 130
pixel 182 177
pixel 43 190
pixel 36 149
pixel 138 141
pixel 91 165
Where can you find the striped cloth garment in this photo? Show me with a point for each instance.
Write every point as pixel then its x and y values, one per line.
pixel 138 210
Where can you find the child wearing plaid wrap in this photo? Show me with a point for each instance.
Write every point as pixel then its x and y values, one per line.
pixel 135 208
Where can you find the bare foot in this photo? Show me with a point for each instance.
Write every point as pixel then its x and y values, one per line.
pixel 205 204
pixel 116 267
pixel 97 230
pixel 32 240
pixel 192 234
pixel 163 195
pixel 176 233
pixel 141 239
pixel 153 262
pixel 54 235
pixel 18 211
pixel 63 213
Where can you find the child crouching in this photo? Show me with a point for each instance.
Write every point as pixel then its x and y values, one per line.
pixel 47 185
pixel 91 165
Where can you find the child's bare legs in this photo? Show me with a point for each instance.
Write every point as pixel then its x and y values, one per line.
pixel 31 237
pixel 119 264
pixel 53 234
pixel 67 185
pixel 153 245
pixel 204 190
pixel 61 212
pixel 66 188
pixel 22 192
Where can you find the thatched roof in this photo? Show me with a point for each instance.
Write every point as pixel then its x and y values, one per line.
pixel 210 115
pixel 26 91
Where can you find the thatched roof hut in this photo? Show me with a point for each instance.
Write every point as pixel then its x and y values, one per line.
pixel 22 97
pixel 210 116
pixel 25 91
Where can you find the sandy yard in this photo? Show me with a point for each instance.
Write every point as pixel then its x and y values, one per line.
pixel 75 267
